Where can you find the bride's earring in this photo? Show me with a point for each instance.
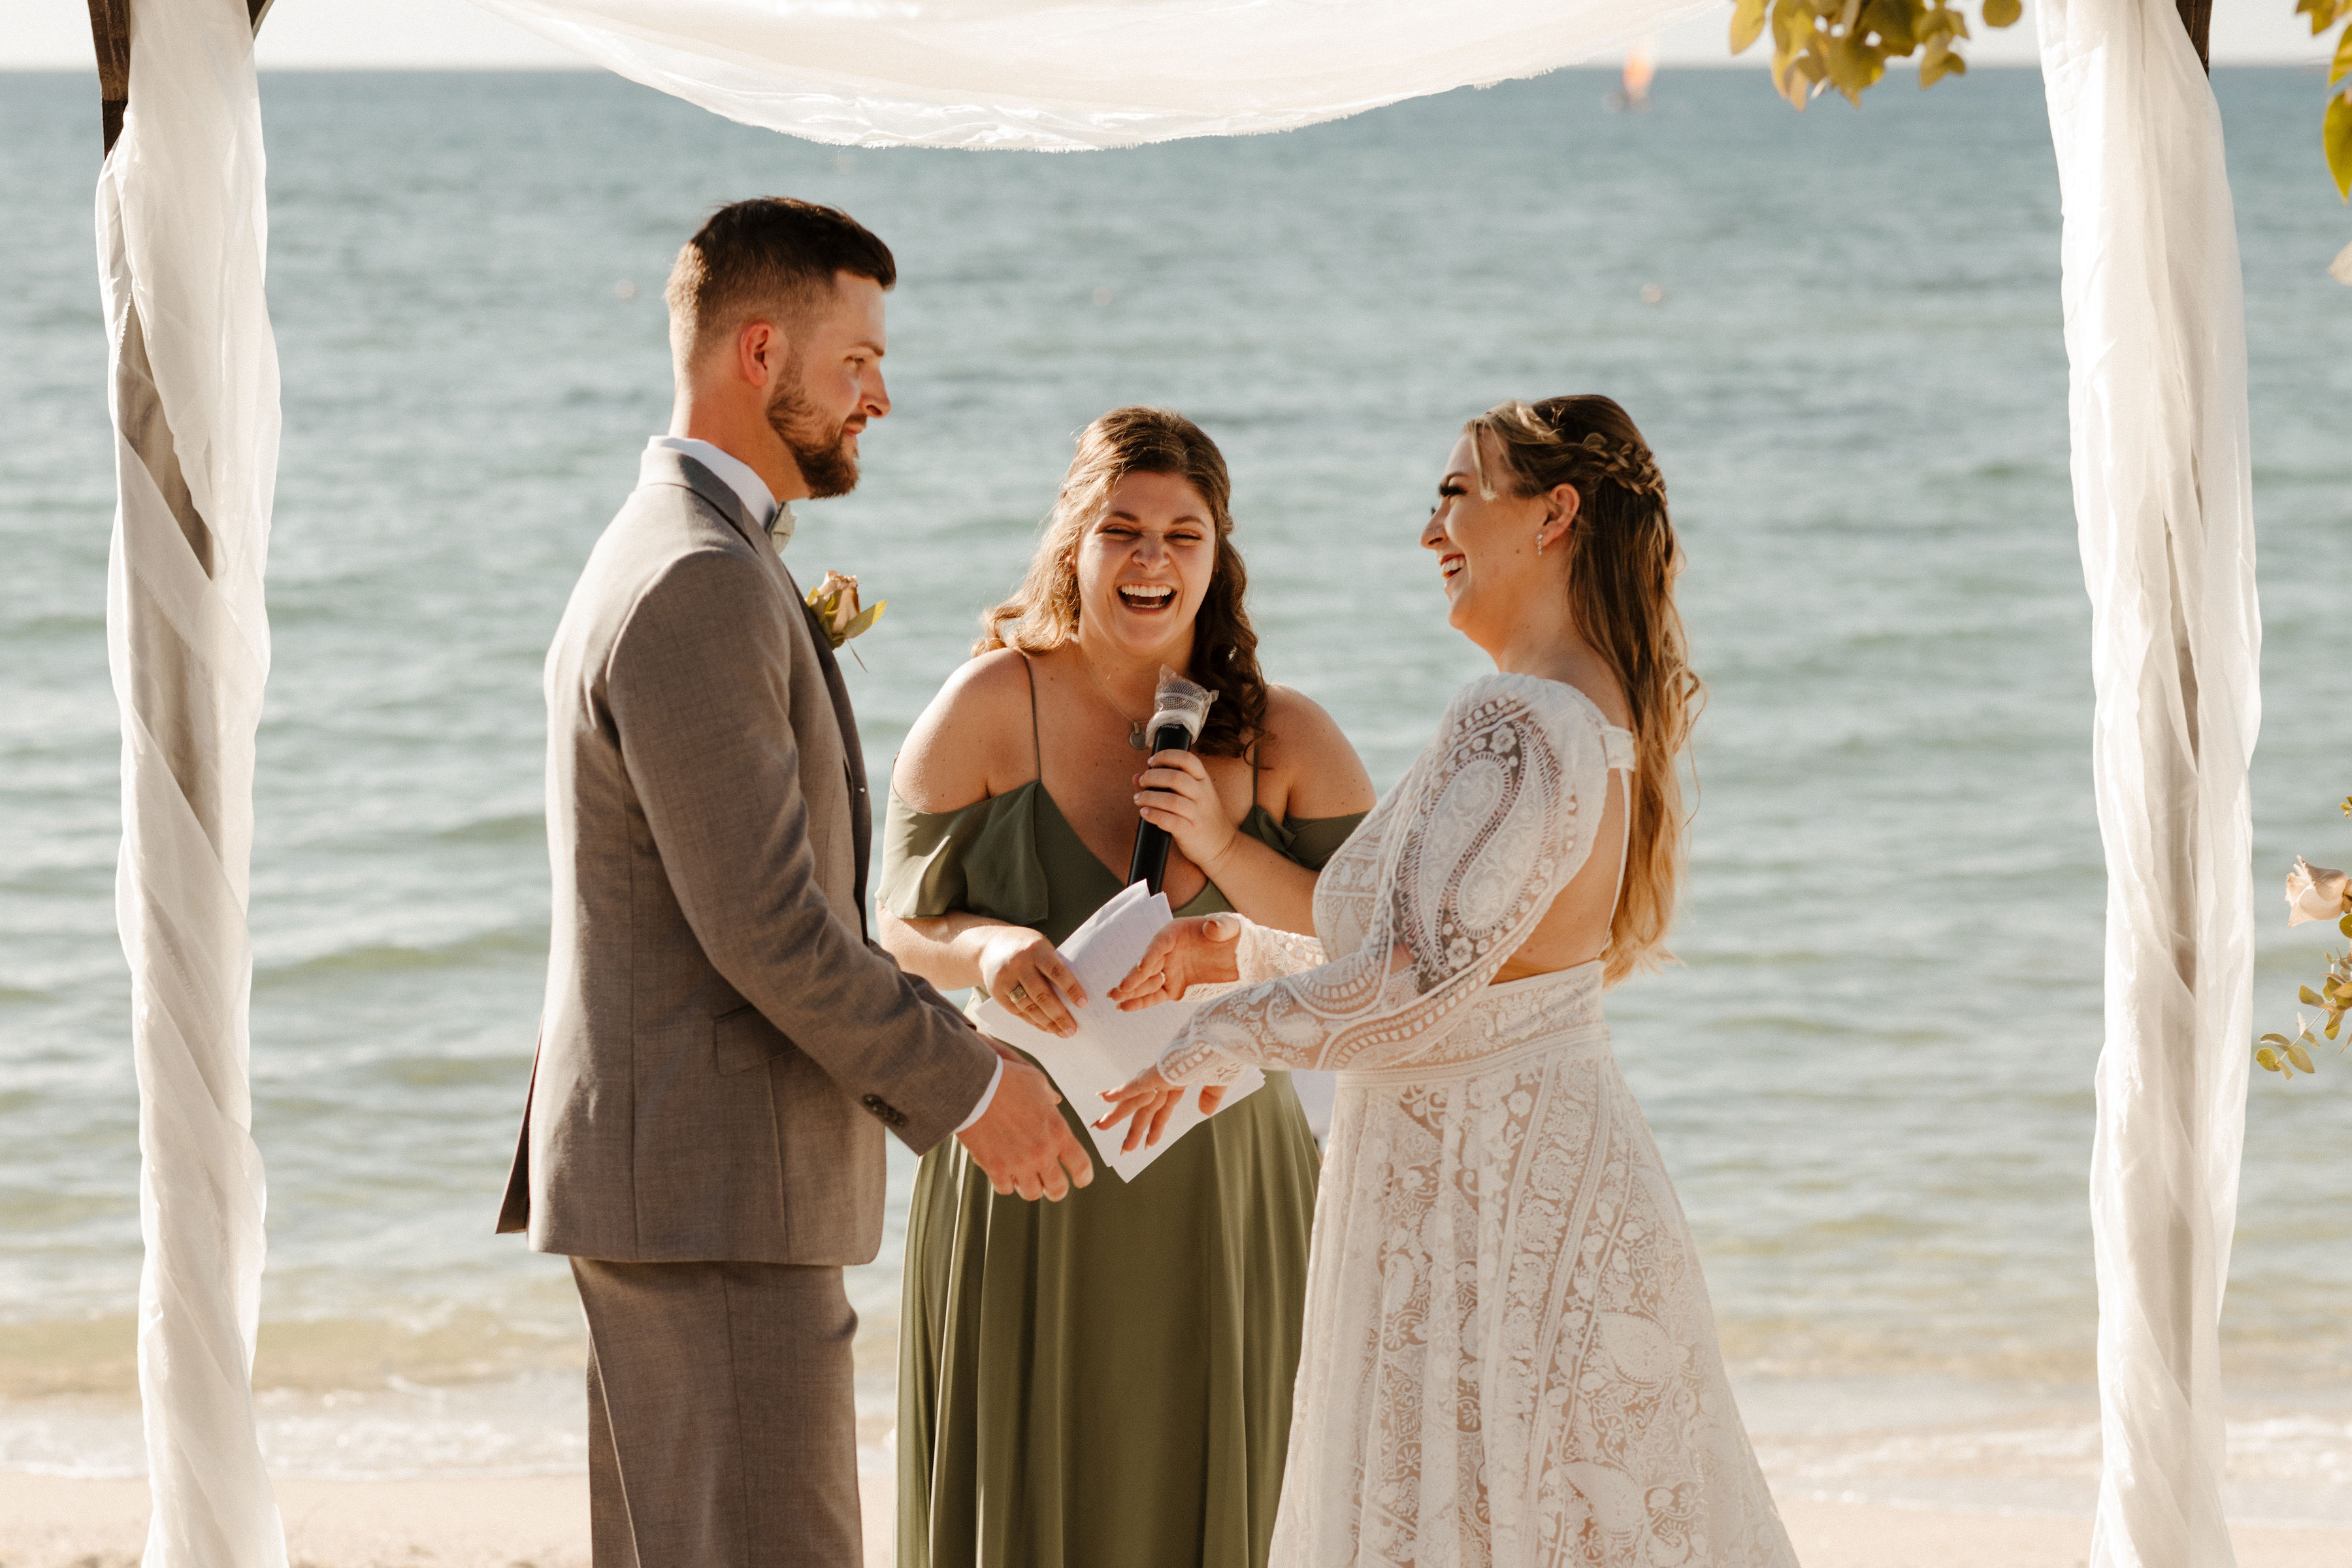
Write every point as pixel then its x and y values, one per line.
pixel 1539 542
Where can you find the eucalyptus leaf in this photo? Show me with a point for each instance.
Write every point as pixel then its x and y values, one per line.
pixel 1895 22
pixel 2335 135
pixel 2002 13
pixel 2268 1057
pixel 2301 1057
pixel 2309 997
pixel 2274 1039
pixel 1746 25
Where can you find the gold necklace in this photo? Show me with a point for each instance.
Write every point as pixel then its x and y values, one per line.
pixel 1135 736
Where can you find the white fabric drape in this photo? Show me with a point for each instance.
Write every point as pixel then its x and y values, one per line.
pixel 1068 75
pixel 181 236
pixel 2156 337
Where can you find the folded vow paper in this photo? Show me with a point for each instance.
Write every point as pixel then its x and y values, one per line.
pixel 1111 1047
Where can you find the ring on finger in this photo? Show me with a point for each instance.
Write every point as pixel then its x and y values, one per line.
pixel 1019 997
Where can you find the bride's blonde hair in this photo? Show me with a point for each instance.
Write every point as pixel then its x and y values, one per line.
pixel 1622 563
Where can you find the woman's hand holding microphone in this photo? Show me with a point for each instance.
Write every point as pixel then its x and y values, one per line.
pixel 1175 794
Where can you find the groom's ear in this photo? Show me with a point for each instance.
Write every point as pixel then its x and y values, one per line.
pixel 762 350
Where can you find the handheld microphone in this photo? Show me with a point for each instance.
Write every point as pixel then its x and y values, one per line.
pixel 1179 711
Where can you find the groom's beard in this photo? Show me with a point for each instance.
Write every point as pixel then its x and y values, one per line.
pixel 827 465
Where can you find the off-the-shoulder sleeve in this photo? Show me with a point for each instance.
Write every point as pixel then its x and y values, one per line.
pixel 1493 821
pixel 981 858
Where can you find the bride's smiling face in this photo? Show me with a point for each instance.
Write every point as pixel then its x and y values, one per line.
pixel 1143 567
pixel 1486 545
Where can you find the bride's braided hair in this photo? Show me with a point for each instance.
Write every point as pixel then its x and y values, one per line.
pixel 1620 562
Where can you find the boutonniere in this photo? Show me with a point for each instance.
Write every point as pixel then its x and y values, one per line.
pixel 834 604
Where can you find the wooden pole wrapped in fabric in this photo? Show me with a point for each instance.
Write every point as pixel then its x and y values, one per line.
pixel 109 27
pixel 2163 498
pixel 2197 15
pixel 182 235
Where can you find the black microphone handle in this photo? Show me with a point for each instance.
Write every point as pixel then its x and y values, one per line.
pixel 1149 864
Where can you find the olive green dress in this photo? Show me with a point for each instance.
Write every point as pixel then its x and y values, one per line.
pixel 1102 1382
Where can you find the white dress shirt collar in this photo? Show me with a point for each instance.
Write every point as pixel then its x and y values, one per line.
pixel 739 476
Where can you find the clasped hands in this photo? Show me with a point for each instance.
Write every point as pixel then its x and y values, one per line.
pixel 1200 951
pixel 1025 974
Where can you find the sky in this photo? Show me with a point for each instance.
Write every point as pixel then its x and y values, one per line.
pixel 53 34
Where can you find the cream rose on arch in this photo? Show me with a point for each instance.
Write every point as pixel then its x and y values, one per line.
pixel 2314 893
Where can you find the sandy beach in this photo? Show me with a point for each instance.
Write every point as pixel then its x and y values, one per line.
pixel 542 1522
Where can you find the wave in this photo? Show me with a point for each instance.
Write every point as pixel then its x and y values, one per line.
pixel 386 958
pixel 532 825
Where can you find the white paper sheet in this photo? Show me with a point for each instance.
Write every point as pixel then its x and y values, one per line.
pixel 1111 1047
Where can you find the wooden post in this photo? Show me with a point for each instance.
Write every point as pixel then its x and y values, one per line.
pixel 2197 15
pixel 109 27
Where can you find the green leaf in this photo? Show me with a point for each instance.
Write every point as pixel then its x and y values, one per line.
pixel 2308 998
pixel 1940 61
pixel 2344 925
pixel 2335 135
pixel 866 617
pixel 1746 25
pixel 2343 62
pixel 2301 1057
pixel 2274 1039
pixel 2268 1057
pixel 2002 13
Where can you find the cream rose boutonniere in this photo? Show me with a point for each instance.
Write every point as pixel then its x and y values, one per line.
pixel 834 604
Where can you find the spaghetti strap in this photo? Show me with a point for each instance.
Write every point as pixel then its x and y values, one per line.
pixel 1253 762
pixel 1037 747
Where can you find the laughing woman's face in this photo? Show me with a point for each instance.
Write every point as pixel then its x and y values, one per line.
pixel 1486 547
pixel 1144 567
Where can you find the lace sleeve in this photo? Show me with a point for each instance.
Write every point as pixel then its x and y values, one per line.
pixel 1494 820
pixel 1265 954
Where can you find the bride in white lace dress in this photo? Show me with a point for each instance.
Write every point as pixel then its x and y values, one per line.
pixel 1509 1358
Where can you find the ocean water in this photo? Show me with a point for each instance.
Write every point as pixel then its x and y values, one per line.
pixel 1871 1074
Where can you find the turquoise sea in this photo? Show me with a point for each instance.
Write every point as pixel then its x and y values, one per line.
pixel 1871 1074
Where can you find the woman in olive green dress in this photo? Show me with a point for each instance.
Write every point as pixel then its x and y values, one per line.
pixel 1030 1433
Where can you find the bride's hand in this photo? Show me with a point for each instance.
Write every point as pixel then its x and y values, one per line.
pixel 1198 951
pixel 1174 792
pixel 1025 976
pixel 1146 1104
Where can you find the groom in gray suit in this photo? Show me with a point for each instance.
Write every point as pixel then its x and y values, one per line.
pixel 721 1045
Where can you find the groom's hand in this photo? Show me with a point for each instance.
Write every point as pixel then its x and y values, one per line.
pixel 1023 1142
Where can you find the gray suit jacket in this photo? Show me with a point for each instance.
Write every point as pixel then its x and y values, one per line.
pixel 721 1045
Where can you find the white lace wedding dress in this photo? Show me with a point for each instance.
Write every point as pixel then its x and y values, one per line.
pixel 1509 1357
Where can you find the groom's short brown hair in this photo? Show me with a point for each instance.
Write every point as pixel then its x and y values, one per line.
pixel 769 256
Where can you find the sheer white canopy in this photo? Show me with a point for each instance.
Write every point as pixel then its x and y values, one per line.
pixel 1068 75
pixel 2154 335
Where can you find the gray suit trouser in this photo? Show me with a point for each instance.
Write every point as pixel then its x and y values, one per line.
pixel 722 1416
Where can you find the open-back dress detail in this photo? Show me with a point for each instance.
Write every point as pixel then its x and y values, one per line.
pixel 1509 1356
pixel 1106 1380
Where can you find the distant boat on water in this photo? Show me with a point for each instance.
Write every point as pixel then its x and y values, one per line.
pixel 1640 67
